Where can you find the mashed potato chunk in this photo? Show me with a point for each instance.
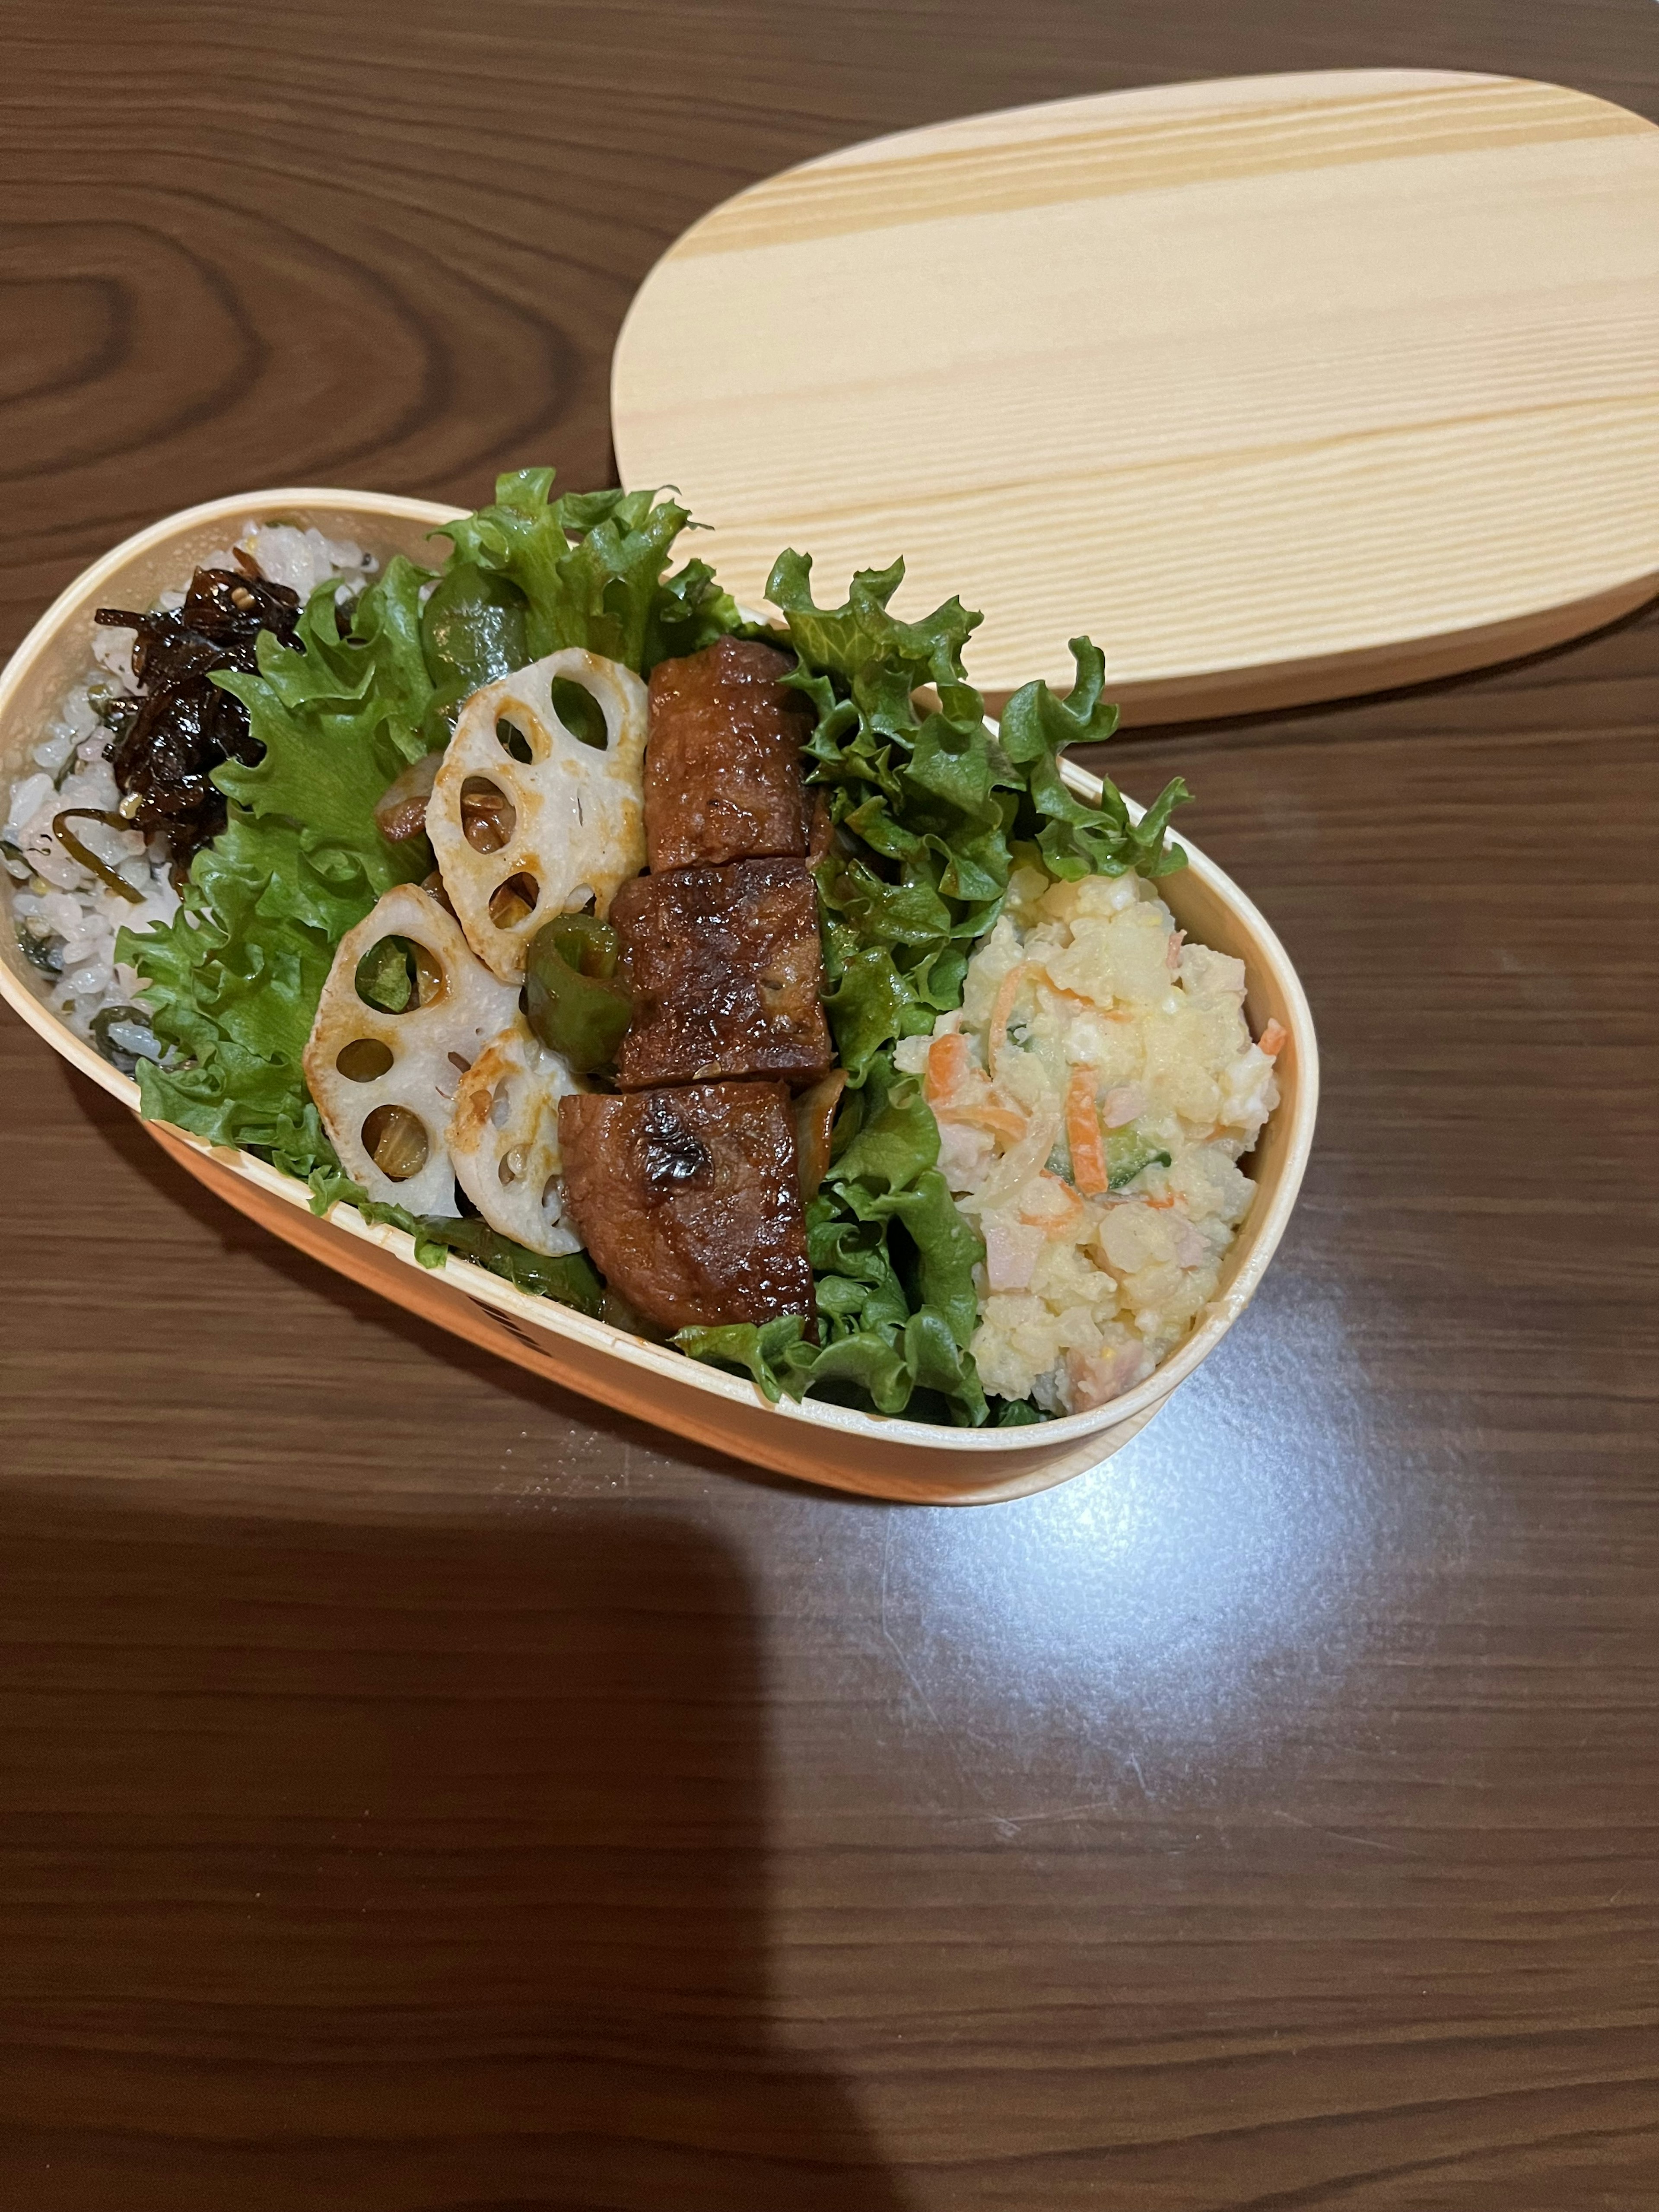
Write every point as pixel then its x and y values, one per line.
pixel 1094 1097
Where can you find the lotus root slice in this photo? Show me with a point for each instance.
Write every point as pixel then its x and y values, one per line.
pixel 406 1064
pixel 576 825
pixel 504 1139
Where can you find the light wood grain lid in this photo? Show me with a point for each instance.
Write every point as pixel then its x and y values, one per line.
pixel 1279 386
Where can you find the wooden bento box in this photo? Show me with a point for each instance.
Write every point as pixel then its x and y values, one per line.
pixel 822 1443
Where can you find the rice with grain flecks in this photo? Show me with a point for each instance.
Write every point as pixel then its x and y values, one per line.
pixel 66 918
pixel 1094 1095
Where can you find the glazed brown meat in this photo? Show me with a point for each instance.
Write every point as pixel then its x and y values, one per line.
pixel 689 1201
pixel 726 969
pixel 722 761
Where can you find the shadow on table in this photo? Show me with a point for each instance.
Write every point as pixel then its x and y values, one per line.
pixel 350 1868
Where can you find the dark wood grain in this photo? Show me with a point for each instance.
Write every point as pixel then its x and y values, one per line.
pixel 421 1791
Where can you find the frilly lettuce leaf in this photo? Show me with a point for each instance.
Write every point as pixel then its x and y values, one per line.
pixel 591 567
pixel 925 801
pixel 233 983
pixel 337 720
pixel 1077 839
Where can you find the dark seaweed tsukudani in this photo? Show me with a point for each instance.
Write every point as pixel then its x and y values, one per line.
pixel 185 725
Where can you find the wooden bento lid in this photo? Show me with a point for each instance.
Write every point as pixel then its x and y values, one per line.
pixel 1281 387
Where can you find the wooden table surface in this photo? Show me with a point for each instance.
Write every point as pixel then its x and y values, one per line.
pixel 419 1790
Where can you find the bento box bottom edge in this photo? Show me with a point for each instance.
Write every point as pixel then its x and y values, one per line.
pixel 432 1299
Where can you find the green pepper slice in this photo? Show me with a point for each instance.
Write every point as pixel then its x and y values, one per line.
pixel 473 628
pixel 573 999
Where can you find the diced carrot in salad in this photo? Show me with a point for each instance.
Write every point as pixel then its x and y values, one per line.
pixel 1089 1171
pixel 949 1063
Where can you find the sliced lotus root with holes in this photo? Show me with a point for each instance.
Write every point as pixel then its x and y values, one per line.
pixel 384 1083
pixel 504 1139
pixel 573 826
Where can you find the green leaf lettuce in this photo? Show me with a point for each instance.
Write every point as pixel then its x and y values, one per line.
pixel 592 570
pixel 928 806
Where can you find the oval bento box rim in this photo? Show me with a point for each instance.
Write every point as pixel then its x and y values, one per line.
pixel 490 1290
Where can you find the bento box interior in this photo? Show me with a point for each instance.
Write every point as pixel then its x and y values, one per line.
pixel 1204 904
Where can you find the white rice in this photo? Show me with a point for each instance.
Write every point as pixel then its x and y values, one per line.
pixel 1085 994
pixel 66 918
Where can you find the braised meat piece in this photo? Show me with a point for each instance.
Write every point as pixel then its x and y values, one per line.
pixel 722 763
pixel 690 1200
pixel 725 968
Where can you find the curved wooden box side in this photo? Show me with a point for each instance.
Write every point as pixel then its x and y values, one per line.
pixel 821 1443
